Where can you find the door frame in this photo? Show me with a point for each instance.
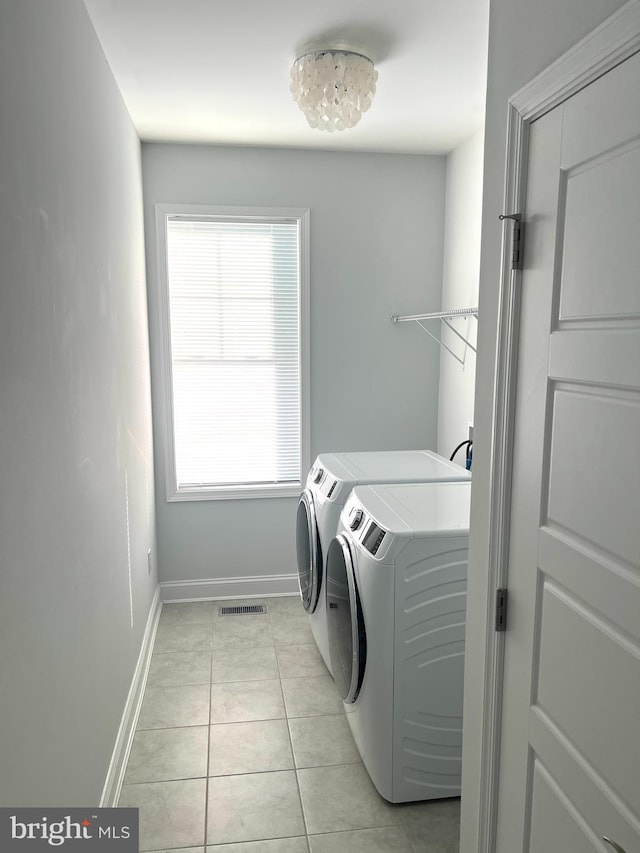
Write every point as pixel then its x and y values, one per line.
pixel 608 45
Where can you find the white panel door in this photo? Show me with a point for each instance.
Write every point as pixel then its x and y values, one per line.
pixel 570 750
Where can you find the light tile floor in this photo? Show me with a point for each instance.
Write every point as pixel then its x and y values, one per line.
pixel 243 747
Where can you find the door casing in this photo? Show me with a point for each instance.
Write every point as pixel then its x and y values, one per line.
pixel 611 43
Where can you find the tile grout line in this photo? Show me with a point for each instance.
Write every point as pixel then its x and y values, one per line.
pixel 293 758
pixel 247 772
pixel 206 786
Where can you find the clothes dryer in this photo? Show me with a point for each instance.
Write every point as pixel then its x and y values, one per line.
pixel 330 481
pixel 396 597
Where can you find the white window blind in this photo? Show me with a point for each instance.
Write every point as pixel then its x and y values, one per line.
pixel 234 309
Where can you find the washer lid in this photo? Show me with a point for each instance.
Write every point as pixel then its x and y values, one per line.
pixel 430 509
pixel 391 466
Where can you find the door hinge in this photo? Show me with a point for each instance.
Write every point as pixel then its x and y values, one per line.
pixel 501 609
pixel 517 238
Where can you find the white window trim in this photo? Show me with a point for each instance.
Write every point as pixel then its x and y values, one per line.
pixel 163 211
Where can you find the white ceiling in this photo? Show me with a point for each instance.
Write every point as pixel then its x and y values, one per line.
pixel 217 71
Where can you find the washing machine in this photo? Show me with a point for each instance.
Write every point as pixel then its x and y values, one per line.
pixel 396 580
pixel 330 481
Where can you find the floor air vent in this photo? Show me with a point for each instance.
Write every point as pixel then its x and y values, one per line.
pixel 242 610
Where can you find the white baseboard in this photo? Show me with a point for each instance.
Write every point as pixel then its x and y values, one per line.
pixel 217 588
pixel 124 739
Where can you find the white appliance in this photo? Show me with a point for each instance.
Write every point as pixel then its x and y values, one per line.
pixel 330 481
pixel 396 597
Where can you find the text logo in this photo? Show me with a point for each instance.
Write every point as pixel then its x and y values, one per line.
pixel 101 830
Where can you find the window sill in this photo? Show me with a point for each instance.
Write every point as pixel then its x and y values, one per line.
pixel 230 493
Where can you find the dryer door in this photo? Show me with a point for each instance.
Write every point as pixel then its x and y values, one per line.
pixel 345 622
pixel 308 552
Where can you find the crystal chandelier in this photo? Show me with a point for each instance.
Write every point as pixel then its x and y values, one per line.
pixel 333 87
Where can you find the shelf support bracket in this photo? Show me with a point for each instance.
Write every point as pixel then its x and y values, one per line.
pixel 438 341
pixel 444 317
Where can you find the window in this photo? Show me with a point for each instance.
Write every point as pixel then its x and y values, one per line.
pixel 234 300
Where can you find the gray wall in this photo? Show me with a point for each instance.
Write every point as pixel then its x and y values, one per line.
pixel 376 250
pixel 524 38
pixel 460 285
pixel 75 415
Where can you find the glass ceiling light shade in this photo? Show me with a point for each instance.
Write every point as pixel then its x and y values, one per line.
pixel 333 87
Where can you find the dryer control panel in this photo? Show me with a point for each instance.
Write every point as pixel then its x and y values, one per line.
pixel 364 528
pixel 373 538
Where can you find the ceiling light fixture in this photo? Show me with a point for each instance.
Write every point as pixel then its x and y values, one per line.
pixel 333 87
